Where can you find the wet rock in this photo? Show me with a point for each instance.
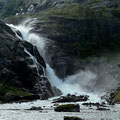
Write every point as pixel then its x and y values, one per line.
pixel 72 118
pixel 35 108
pixel 71 98
pixel 56 104
pixel 118 88
pixel 68 108
pixel 57 91
pixel 103 109
pixel 97 104
pixel 21 68
pixel 8 98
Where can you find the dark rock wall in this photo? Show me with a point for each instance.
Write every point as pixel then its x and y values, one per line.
pixel 18 68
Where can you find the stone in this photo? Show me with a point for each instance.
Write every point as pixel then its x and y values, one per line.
pixel 35 108
pixel 103 109
pixel 71 98
pixel 68 108
pixel 72 118
pixel 97 104
pixel 9 98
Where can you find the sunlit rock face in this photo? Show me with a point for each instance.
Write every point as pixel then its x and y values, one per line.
pixel 21 65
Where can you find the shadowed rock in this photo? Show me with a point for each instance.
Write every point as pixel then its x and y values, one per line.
pixel 72 118
pixel 21 68
pixel 71 98
pixel 68 108
pixel 102 109
pixel 35 108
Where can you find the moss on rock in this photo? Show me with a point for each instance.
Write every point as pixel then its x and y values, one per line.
pixel 117 97
pixel 12 94
pixel 68 108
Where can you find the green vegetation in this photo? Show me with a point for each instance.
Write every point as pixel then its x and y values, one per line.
pixel 90 9
pixel 12 7
pixel 9 90
pixel 117 97
pixel 92 26
pixel 87 26
pixel 8 93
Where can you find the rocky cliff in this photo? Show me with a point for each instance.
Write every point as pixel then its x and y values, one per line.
pixel 21 76
pixel 30 6
pixel 82 28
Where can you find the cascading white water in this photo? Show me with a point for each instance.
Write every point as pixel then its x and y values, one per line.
pixel 71 84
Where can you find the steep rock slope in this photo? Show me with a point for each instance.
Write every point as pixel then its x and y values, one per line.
pixel 28 6
pixel 21 68
pixel 82 28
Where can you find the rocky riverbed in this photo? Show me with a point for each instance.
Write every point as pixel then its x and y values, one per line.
pixel 20 111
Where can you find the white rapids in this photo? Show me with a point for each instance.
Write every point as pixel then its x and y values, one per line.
pixel 16 111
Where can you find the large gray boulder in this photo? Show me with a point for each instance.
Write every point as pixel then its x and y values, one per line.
pixel 68 108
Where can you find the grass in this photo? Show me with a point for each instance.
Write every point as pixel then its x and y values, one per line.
pixel 8 92
pixel 117 97
pixel 84 10
pixel 12 7
pixel 13 91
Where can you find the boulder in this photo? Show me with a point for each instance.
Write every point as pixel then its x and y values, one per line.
pixel 97 104
pixel 57 91
pixel 72 118
pixel 103 109
pixel 35 108
pixel 68 108
pixel 71 98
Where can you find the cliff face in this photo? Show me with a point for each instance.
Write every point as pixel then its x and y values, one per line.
pixel 81 28
pixel 17 7
pixel 20 74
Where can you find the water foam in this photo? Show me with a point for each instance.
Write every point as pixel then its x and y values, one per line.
pixel 71 85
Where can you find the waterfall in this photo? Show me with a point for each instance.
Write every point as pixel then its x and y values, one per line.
pixel 73 84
